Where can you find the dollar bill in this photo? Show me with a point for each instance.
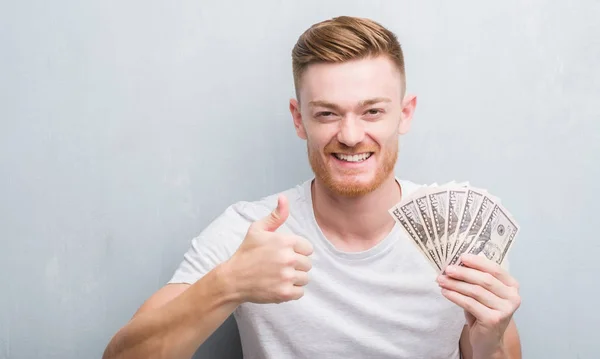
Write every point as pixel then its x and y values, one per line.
pixel 400 218
pixel 438 202
pixel 427 218
pixel 472 202
pixel 456 200
pixel 446 221
pixel 496 236
pixel 411 212
pixel 483 212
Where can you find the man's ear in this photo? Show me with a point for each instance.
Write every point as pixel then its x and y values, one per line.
pixel 297 117
pixel 408 109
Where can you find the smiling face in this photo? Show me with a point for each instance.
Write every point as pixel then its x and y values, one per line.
pixel 351 114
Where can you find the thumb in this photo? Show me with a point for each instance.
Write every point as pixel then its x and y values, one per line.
pixel 276 218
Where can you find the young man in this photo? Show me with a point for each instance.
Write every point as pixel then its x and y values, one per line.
pixel 321 270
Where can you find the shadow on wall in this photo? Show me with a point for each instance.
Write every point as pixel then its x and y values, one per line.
pixel 223 344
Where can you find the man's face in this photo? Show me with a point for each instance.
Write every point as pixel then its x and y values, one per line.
pixel 351 115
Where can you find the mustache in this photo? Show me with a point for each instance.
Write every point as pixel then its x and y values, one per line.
pixel 337 147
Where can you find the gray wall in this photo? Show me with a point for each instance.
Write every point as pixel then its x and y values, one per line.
pixel 125 127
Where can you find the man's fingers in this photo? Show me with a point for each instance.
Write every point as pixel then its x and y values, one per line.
pixel 469 304
pixel 276 218
pixel 302 246
pixel 485 265
pixel 474 291
pixel 293 292
pixel 482 279
pixel 303 263
pixel 301 278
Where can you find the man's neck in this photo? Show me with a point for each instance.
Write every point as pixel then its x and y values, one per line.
pixel 355 224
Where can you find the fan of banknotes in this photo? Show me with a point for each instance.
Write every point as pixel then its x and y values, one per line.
pixel 446 221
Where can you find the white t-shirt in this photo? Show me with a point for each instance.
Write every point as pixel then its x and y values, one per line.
pixel 380 303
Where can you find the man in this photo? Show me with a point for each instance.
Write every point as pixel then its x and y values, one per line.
pixel 369 294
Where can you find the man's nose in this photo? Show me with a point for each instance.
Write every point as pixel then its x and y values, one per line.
pixel 351 131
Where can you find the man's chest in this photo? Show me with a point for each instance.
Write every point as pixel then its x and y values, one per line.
pixel 352 313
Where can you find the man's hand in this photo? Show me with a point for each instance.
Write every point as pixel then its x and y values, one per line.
pixel 270 267
pixel 489 296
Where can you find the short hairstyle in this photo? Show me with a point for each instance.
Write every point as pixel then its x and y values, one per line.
pixel 342 39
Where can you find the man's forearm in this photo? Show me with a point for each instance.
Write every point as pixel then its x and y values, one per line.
pixel 179 327
pixel 507 350
pixel 500 353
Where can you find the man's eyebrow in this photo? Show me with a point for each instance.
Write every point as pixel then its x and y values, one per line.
pixel 362 103
pixel 324 104
pixel 373 101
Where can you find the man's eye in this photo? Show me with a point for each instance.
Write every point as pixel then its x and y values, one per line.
pixel 373 111
pixel 324 114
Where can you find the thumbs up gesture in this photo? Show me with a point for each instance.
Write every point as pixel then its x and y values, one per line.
pixel 271 267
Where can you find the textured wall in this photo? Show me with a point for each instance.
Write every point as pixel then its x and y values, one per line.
pixel 125 127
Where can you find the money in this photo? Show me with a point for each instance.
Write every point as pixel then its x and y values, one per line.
pixel 410 211
pixel 474 228
pixel 496 237
pixel 472 201
pixel 427 217
pixel 444 222
pixel 456 201
pixel 400 218
pixel 439 212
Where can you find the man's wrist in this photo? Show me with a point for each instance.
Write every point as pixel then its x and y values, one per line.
pixel 230 289
pixel 499 352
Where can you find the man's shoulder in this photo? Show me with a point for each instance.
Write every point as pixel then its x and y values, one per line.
pixel 409 187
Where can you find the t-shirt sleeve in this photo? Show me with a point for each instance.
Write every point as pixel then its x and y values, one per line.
pixel 214 245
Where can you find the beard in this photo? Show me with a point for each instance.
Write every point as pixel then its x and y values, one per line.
pixel 350 185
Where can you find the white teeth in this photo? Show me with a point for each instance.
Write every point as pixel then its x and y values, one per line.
pixel 353 158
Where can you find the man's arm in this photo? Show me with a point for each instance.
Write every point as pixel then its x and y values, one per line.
pixel 176 320
pixel 268 267
pixel 512 343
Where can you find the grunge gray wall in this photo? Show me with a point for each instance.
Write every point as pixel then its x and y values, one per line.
pixel 125 127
